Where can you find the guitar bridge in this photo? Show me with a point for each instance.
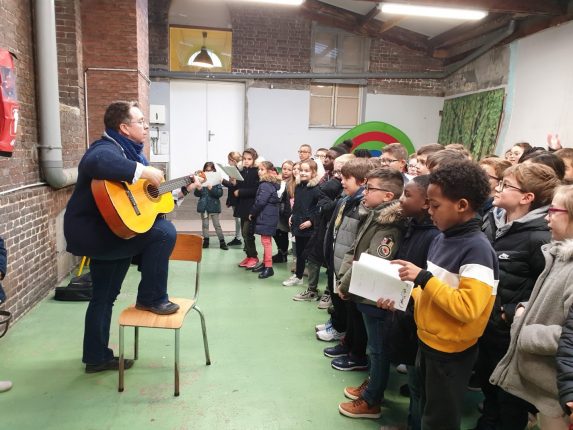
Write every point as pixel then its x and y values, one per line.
pixel 131 198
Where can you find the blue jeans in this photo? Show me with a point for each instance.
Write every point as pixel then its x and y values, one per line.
pixel 379 360
pixel 108 272
pixel 415 408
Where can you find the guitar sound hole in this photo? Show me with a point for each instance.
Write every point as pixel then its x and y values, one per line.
pixel 152 191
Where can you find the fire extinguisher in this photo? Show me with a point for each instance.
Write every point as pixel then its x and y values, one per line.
pixel 9 107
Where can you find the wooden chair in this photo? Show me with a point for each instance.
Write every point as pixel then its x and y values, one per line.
pixel 187 248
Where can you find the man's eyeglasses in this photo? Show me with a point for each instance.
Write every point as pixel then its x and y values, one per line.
pixel 369 188
pixel 388 160
pixel 300 151
pixel 553 210
pixel 501 185
pixel 140 121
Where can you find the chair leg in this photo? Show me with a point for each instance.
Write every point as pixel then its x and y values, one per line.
pixel 121 358
pixel 136 343
pixel 176 362
pixel 204 329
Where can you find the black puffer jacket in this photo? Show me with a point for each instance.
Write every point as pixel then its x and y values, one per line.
pixel 247 191
pixel 305 207
pixel 330 191
pixel 518 249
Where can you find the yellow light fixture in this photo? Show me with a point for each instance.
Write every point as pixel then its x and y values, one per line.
pixel 432 12
pixel 203 59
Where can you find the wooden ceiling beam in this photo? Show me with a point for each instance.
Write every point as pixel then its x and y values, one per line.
pixel 537 7
pixel 468 31
pixel 467 46
pixel 372 13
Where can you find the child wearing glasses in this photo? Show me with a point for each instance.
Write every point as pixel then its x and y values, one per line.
pixel 536 366
pixel 379 234
pixel 517 228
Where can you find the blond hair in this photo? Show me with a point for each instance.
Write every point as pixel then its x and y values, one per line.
pixel 235 156
pixel 538 179
pixel 565 193
pixel 499 165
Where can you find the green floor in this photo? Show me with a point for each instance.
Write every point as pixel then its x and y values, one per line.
pixel 267 372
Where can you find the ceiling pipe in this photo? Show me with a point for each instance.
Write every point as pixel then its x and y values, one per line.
pixel 431 74
pixel 51 160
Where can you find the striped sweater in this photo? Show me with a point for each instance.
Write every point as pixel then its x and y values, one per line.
pixel 455 296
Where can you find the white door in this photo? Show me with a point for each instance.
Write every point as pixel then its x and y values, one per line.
pixel 207 122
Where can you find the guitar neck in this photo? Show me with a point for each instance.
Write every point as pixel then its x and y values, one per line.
pixel 173 184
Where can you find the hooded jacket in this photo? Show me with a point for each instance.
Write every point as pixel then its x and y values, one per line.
pixel 265 210
pixel 247 191
pixel 518 249
pixel 209 199
pixel 380 234
pixel 528 369
pixel 305 206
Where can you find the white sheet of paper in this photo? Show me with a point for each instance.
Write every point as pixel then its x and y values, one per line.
pixel 374 278
pixel 232 172
pixel 212 178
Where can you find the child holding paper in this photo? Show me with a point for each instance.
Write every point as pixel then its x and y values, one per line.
pixel 209 206
pixel 380 234
pixel 454 297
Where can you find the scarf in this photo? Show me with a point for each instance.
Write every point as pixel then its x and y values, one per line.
pixel 132 150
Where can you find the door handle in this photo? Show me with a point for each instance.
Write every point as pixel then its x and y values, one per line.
pixel 210 135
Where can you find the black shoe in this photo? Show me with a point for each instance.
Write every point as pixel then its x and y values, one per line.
pixel 223 245
pixel 206 242
pixel 235 242
pixel 162 309
pixel 405 390
pixel 266 273
pixel 259 267
pixel 112 364
pixel 280 257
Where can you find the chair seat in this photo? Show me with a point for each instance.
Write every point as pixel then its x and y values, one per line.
pixel 136 318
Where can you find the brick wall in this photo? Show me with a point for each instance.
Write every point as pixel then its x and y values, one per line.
pixel 114 31
pixel 158 34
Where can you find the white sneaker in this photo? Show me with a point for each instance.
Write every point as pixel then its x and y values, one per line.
pixel 325 301
pixel 321 327
pixel 329 334
pixel 5 386
pixel 307 295
pixel 401 368
pixel 292 281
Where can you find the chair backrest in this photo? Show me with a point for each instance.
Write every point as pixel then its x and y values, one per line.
pixel 188 247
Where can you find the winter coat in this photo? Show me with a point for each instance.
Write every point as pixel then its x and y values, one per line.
pixel 305 206
pixel 518 249
pixel 247 191
pixel 565 363
pixel 528 369
pixel 231 200
pixel 209 199
pixel 85 229
pixel 342 236
pixel 285 209
pixel 330 192
pixel 380 234
pixel 265 211
pixel 3 264
pixel 403 339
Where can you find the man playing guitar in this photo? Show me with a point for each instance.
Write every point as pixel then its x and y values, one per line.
pixel 117 156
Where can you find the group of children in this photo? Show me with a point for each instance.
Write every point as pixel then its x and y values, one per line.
pixel 487 245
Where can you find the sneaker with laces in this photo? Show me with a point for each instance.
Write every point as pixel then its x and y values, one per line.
pixel 235 242
pixel 349 362
pixel 336 351
pixel 321 327
pixel 359 408
pixel 251 263
pixel 292 281
pixel 243 262
pixel 325 301
pixel 329 334
pixel 354 393
pixel 307 295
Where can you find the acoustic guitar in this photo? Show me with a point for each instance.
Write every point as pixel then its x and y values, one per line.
pixel 131 209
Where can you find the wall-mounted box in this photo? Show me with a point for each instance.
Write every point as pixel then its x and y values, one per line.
pixel 156 114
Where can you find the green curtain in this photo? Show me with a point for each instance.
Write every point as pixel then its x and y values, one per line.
pixel 473 121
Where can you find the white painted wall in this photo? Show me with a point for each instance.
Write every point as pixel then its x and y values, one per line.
pixel 540 89
pixel 277 120
pixel 418 117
